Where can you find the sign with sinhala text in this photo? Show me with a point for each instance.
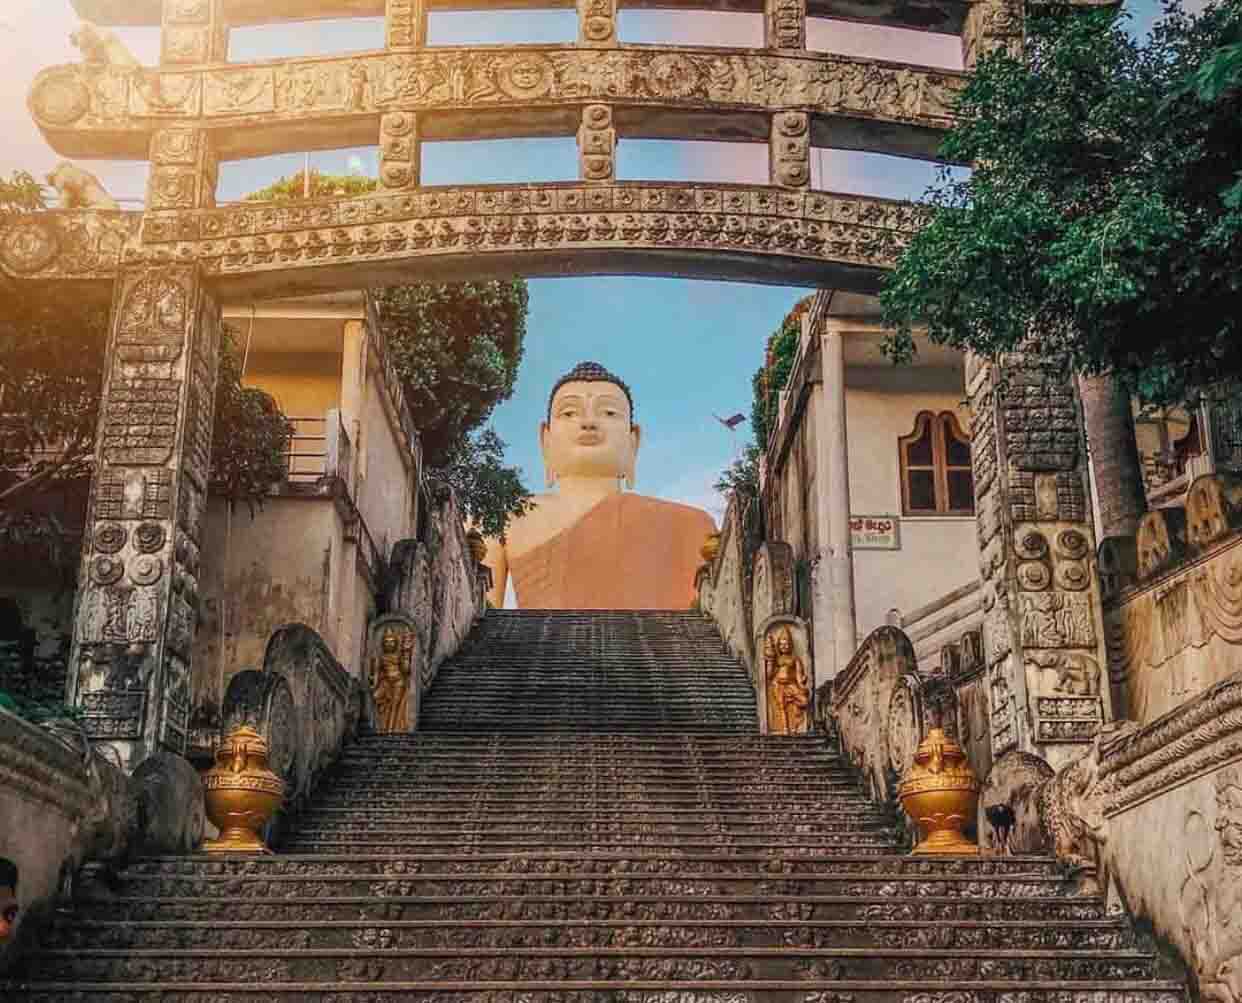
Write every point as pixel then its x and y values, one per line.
pixel 875 532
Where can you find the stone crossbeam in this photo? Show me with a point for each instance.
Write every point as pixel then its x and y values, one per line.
pixel 100 110
pixel 757 233
pixel 945 16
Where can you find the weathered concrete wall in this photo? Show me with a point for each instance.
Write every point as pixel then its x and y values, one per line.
pixel 385 482
pixel 257 574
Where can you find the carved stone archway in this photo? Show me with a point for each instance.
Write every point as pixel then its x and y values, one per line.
pixel 167 268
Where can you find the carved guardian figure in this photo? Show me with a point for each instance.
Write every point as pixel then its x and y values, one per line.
pixel 80 189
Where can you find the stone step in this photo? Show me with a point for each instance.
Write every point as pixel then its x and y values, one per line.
pixel 449 886
pixel 858 909
pixel 884 866
pixel 614 991
pixel 687 802
pixel 603 843
pixel 616 819
pixel 460 964
pixel 1108 935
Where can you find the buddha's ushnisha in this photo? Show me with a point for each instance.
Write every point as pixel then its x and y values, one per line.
pixel 589 543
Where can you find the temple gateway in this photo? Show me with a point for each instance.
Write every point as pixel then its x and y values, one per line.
pixel 933 718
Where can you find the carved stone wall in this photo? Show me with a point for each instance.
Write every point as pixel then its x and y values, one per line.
pixel 1154 812
pixel 877 709
pixel 137 603
pixel 1042 620
pixel 727 598
pixel 1174 620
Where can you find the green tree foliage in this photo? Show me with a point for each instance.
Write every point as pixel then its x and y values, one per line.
pixel 489 492
pixel 1102 222
pixel 457 347
pixel 52 349
pixel 770 378
pixel 742 475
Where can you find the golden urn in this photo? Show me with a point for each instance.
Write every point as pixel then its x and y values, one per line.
pixel 941 795
pixel 241 793
pixel 710 548
pixel 477 545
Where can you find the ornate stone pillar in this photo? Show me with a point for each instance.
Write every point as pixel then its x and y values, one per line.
pixel 399 150
pixel 193 32
pixel 597 144
pixel 184 170
pixel 789 157
pixel 784 24
pixel 597 22
pixel 1041 595
pixel 406 26
pixel 992 25
pixel 138 585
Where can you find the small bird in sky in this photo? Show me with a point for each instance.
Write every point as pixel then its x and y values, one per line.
pixel 732 421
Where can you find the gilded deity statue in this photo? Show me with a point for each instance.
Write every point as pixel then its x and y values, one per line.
pixel 390 681
pixel 591 544
pixel 789 686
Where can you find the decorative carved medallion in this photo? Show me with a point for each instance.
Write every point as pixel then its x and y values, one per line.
pixel 109 537
pixel 150 537
pixel 106 570
pixel 59 97
pixel 527 76
pixel 146 570
pixel 29 245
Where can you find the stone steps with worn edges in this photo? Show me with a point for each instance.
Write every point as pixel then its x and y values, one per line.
pixel 229 864
pixel 616 991
pixel 559 908
pixel 481 964
pixel 1111 935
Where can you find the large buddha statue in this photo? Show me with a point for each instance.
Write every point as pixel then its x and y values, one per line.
pixel 590 544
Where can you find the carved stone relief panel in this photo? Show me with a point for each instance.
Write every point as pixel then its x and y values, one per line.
pixel 992 25
pixel 597 144
pixel 597 22
pixel 791 150
pixel 905 724
pixel 406 24
pixel 193 32
pixel 399 150
pixel 784 24
pixel 394 654
pixel 184 170
pixel 788 676
pixel 1009 805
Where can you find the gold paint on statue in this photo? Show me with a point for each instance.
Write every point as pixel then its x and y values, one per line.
pixel 711 547
pixel 941 794
pixel 390 682
pixel 477 545
pixel 789 689
pixel 241 793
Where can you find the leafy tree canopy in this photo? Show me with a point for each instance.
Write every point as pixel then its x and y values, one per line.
pixel 52 349
pixel 1102 222
pixel 457 347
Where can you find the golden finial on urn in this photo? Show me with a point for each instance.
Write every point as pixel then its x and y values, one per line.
pixel 941 794
pixel 241 792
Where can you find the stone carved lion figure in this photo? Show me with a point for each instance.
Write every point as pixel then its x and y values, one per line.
pixel 1071 812
pixel 79 189
pixel 101 46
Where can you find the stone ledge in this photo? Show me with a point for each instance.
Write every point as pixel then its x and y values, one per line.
pixel 38 766
pixel 1200 736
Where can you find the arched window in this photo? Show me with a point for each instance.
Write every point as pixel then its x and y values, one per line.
pixel 936 478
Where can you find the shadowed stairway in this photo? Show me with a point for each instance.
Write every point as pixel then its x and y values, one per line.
pixel 589 814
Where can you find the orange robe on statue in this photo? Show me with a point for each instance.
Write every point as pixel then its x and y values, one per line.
pixel 628 552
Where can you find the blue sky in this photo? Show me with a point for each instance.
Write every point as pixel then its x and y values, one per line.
pixel 687 348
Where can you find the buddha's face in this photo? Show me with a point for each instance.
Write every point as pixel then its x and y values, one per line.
pixel 589 434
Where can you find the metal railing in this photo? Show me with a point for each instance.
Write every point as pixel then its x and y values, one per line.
pixel 319 448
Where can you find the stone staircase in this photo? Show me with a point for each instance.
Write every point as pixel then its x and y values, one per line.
pixel 590 815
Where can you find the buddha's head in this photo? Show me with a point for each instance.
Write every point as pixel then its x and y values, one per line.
pixel 590 430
